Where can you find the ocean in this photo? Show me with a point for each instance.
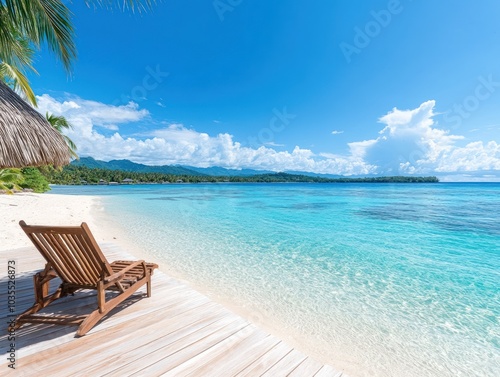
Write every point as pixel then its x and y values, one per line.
pixel 376 279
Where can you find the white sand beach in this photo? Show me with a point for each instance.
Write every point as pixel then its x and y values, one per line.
pixel 51 209
pixel 43 209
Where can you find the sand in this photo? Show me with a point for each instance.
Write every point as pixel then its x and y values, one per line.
pixel 51 209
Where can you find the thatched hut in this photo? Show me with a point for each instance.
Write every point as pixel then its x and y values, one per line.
pixel 26 138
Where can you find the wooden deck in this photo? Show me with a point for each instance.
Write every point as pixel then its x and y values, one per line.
pixel 176 332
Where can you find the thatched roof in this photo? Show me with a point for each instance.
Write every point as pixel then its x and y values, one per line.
pixel 26 138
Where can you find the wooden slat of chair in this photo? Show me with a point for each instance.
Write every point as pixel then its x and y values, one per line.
pixel 91 270
pixel 94 247
pixel 66 259
pixel 79 265
pixel 73 259
pixel 45 249
pixel 93 259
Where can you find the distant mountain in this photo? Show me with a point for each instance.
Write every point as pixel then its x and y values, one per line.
pixel 126 165
pixel 216 171
pixel 308 174
pixel 90 163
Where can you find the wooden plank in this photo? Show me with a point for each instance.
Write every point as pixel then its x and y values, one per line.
pixel 26 258
pixel 328 371
pixel 309 367
pixel 104 344
pixel 286 365
pixel 149 314
pixel 130 351
pixel 237 357
pixel 179 349
pixel 266 361
pixel 229 356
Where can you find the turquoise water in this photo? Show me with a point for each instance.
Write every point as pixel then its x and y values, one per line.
pixel 377 279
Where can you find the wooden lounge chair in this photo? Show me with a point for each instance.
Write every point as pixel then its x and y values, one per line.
pixel 72 254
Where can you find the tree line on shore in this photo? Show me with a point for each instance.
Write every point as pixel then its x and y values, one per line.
pixel 38 179
pixel 78 175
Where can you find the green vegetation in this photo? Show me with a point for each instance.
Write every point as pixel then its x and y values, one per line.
pixel 77 175
pixel 285 177
pixel 38 179
pixel 60 123
pixel 10 179
pixel 34 179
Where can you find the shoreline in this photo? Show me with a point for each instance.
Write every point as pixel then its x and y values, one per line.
pixel 72 210
pixel 60 209
pixel 42 209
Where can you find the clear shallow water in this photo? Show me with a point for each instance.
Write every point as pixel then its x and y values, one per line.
pixel 378 279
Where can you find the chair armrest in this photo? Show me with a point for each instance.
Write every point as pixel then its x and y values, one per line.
pixel 118 275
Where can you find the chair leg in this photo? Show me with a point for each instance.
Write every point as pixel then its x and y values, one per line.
pixel 37 306
pixel 148 286
pixel 104 308
pixel 41 282
pixel 90 322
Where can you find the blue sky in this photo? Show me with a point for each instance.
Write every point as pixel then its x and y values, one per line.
pixel 339 87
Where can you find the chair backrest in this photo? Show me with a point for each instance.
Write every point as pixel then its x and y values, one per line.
pixel 71 251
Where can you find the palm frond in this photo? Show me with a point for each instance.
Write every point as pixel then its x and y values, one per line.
pixel 140 5
pixel 14 47
pixel 10 179
pixel 60 123
pixel 46 21
pixel 16 79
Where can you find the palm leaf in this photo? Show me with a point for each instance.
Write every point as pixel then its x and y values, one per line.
pixel 140 5
pixel 17 80
pixel 14 47
pixel 60 123
pixel 9 179
pixel 46 21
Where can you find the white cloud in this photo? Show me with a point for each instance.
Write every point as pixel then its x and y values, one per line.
pixel 176 144
pixel 273 144
pixel 112 127
pixel 91 112
pixel 408 143
pixel 411 144
pixel 475 156
pixel 335 132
